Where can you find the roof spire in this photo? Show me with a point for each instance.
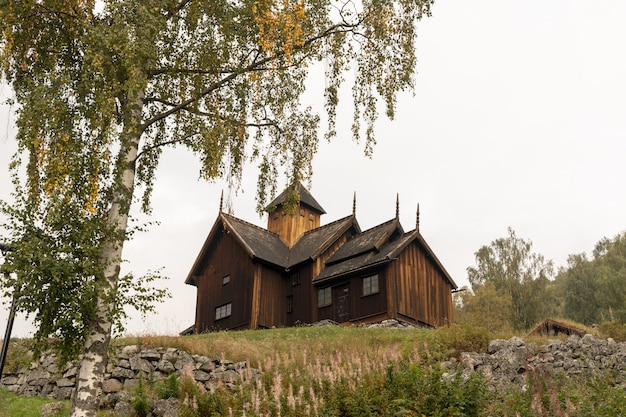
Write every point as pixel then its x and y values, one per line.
pixel 221 201
pixel 397 205
pixel 417 218
pixel 354 204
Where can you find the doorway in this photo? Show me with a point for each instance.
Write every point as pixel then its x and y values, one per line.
pixel 342 303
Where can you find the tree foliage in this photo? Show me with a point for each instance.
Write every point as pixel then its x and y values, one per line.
pixel 102 87
pixel 514 270
pixel 486 307
pixel 594 289
pixel 588 290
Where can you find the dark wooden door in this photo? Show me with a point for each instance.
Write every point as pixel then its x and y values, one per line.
pixel 342 303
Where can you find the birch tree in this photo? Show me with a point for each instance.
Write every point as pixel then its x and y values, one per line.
pixel 103 87
pixel 516 271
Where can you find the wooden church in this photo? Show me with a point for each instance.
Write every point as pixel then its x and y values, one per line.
pixel 297 271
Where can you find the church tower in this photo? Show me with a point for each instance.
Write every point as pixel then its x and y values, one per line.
pixel 292 222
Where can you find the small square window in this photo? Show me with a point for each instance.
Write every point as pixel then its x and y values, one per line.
pixel 324 297
pixel 225 279
pixel 223 311
pixel 370 285
pixel 295 278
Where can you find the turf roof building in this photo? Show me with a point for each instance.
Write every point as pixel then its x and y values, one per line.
pixel 297 271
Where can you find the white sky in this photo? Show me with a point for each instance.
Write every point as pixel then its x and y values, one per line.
pixel 518 119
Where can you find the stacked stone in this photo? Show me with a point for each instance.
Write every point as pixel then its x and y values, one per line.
pixel 125 370
pixel 510 361
pixel 391 324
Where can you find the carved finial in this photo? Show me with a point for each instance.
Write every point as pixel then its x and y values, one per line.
pixel 222 201
pixel 417 218
pixel 397 205
pixel 354 204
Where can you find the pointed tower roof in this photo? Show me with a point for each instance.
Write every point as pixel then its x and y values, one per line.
pixel 304 196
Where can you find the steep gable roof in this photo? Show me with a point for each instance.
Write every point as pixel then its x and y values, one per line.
pixel 305 198
pixel 315 241
pixel 369 240
pixel 374 247
pixel 257 242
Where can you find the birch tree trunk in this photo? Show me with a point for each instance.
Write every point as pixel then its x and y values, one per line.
pixel 94 357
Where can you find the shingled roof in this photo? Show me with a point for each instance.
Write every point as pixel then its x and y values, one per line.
pixel 305 198
pixel 315 241
pixel 370 240
pixel 374 247
pixel 256 241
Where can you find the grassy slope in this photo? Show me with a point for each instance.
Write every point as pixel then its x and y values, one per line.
pixel 359 371
pixel 12 405
pixel 316 351
pixel 259 346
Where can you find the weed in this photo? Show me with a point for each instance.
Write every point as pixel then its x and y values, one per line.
pixel 140 401
pixel 168 388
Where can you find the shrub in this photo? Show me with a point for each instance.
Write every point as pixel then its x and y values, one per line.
pixel 168 388
pixel 197 402
pixel 613 329
pixel 140 401
pixel 464 338
pixel 420 390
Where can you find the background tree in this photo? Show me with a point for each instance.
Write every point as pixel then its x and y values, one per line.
pixel 609 268
pixel 577 286
pixel 594 290
pixel 513 269
pixel 101 92
pixel 485 307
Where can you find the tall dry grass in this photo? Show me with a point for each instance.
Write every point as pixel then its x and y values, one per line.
pixel 300 368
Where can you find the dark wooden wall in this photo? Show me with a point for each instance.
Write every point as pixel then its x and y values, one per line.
pixel 273 299
pixel 302 296
pixel 373 304
pixel 225 258
pixel 349 304
pixel 422 291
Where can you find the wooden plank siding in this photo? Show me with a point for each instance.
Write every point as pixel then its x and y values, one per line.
pixel 350 305
pixel 422 292
pixel 273 305
pixel 370 305
pixel 291 226
pixel 301 293
pixel 320 261
pixel 230 259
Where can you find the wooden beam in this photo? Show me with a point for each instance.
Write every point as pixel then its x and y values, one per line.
pixel 255 312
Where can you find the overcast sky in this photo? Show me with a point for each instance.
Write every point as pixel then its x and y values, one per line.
pixel 518 119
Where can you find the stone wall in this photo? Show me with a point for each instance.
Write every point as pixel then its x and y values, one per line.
pixel 510 361
pixel 506 362
pixel 46 378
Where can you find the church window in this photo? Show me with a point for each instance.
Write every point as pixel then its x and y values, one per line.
pixel 324 297
pixel 223 311
pixel 370 285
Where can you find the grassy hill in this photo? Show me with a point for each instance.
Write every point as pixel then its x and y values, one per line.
pixel 337 371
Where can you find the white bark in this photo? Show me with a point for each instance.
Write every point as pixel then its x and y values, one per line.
pixel 94 357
